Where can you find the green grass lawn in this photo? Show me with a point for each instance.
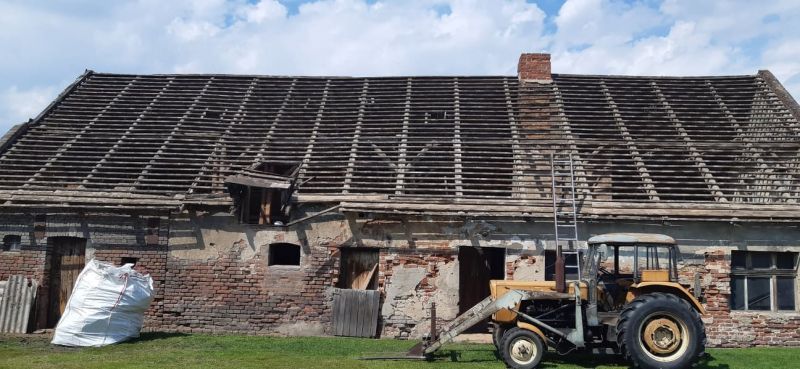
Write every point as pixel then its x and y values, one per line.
pixel 160 350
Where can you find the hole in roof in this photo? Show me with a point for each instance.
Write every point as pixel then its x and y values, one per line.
pixel 437 115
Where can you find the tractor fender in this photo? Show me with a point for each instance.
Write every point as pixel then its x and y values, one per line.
pixel 533 329
pixel 639 289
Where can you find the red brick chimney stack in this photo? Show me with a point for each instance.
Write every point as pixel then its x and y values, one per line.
pixel 534 67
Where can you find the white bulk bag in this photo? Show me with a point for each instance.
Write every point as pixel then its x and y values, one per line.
pixel 107 306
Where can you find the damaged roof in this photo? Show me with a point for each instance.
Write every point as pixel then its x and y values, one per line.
pixel 459 143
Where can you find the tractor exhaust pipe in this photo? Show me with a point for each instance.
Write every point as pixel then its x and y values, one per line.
pixel 561 278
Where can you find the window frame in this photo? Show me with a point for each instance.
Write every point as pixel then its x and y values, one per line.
pixel 772 273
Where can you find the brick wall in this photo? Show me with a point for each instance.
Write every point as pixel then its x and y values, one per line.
pixel 228 294
pixel 29 260
pixel 109 237
pixel 726 328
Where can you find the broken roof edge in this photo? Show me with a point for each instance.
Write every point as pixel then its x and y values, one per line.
pixel 783 95
pixel 22 128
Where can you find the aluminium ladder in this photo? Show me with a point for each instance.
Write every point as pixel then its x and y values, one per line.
pixel 565 215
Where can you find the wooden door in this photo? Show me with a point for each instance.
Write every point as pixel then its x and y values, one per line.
pixel 355 312
pixel 68 257
pixel 476 267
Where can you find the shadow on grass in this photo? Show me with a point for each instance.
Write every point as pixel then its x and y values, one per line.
pixel 553 360
pixel 154 336
pixel 708 362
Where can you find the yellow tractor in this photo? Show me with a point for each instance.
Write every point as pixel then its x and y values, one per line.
pixel 624 297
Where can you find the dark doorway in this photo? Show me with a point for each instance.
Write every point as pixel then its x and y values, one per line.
pixel 359 269
pixel 477 266
pixel 67 259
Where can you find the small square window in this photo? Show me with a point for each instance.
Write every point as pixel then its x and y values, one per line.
pixel 284 254
pixel 12 243
pixel 129 260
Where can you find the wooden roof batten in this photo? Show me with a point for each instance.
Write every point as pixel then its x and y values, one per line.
pixel 695 154
pixel 464 140
pixel 631 144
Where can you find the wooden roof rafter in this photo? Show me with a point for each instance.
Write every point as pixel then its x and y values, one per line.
pixel 708 177
pixel 636 156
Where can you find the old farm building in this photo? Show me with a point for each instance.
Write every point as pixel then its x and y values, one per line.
pixel 259 202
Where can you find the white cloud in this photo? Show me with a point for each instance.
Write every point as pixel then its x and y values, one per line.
pixel 17 106
pixel 46 43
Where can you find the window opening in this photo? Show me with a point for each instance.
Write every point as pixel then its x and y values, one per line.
pixel 12 243
pixel 284 254
pixel 763 281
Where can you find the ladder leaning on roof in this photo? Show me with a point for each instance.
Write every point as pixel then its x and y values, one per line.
pixel 565 217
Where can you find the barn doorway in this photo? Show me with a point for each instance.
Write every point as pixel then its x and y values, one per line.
pixel 356 301
pixel 476 267
pixel 359 269
pixel 67 258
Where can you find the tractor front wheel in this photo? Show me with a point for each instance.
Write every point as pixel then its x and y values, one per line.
pixel 660 331
pixel 498 330
pixel 521 348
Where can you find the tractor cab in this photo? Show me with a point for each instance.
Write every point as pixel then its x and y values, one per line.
pixel 638 257
pixel 616 262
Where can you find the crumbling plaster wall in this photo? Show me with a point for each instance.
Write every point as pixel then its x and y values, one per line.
pixel 211 273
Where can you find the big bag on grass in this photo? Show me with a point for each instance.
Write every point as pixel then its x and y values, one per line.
pixel 107 306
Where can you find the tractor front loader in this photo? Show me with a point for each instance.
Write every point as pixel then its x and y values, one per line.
pixel 626 299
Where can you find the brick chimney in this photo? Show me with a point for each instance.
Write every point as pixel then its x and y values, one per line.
pixel 534 67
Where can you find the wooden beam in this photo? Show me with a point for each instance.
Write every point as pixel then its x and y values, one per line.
pixel 274 125
pixel 644 175
pixel 518 190
pixel 351 161
pixel 699 162
pixel 315 131
pixel 402 148
pixel 128 131
pixel 172 134
pixel 82 132
pixel 457 154
pixel 216 159
pixel 583 189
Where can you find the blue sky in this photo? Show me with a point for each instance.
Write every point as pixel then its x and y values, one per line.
pixel 47 44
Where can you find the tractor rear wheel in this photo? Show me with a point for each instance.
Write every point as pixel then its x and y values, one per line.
pixel 660 331
pixel 521 348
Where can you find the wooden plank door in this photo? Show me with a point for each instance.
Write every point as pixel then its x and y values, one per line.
pixel 67 261
pixel 355 312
